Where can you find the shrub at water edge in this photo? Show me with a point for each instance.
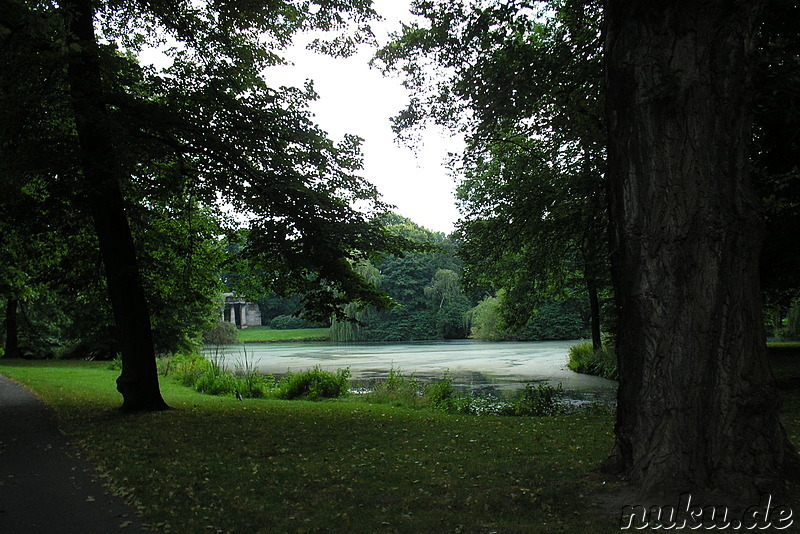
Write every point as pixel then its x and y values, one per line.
pixel 396 389
pixel 584 359
pixel 314 384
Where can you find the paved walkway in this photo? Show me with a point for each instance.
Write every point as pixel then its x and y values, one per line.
pixel 44 486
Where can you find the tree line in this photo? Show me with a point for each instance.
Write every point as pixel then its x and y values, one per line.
pixel 429 300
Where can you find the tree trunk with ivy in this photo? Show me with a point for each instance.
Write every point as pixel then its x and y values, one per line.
pixel 697 403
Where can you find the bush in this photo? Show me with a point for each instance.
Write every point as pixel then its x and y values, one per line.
pixel 397 389
pixel 440 394
pixel 187 368
pixel 314 384
pixel 223 333
pixel 217 382
pixel 584 359
pixel 581 357
pixel 211 377
pixel 113 365
pixel 252 383
pixel 539 400
pixel 289 322
pixel 257 386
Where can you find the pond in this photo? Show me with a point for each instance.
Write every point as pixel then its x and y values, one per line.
pixel 486 368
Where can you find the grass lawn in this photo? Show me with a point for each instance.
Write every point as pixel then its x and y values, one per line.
pixel 264 334
pixel 215 464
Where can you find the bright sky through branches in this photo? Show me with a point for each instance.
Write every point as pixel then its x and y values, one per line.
pixel 354 99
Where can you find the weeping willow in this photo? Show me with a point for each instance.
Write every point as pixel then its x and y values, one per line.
pixel 347 331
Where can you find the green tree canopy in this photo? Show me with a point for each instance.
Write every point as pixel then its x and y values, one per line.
pixel 524 82
pixel 115 139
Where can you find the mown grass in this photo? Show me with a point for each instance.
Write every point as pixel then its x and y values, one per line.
pixel 264 334
pixel 215 464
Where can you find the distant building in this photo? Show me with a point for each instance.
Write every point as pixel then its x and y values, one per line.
pixel 240 312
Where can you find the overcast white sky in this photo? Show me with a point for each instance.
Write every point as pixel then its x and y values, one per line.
pixel 358 100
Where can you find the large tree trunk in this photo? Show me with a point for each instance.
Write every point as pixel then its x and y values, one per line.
pixel 697 406
pixel 102 174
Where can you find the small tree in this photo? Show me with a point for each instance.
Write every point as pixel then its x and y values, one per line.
pixel 486 321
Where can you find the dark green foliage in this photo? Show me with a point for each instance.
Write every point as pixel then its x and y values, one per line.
pixel 214 378
pixel 776 173
pixel 274 305
pixel 542 399
pixel 526 85
pixel 222 333
pixel 42 327
pixel 440 393
pixel 533 401
pixel 67 312
pixel 556 320
pixel 451 319
pixel 792 330
pixel 584 359
pixel 403 324
pixel 425 286
pixel 397 389
pixel 314 384
pixel 289 322
pixel 158 150
pixel 180 257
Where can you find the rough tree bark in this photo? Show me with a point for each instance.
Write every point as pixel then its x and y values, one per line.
pixel 697 406
pixel 102 173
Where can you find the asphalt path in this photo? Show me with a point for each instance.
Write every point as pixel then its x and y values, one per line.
pixel 45 486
